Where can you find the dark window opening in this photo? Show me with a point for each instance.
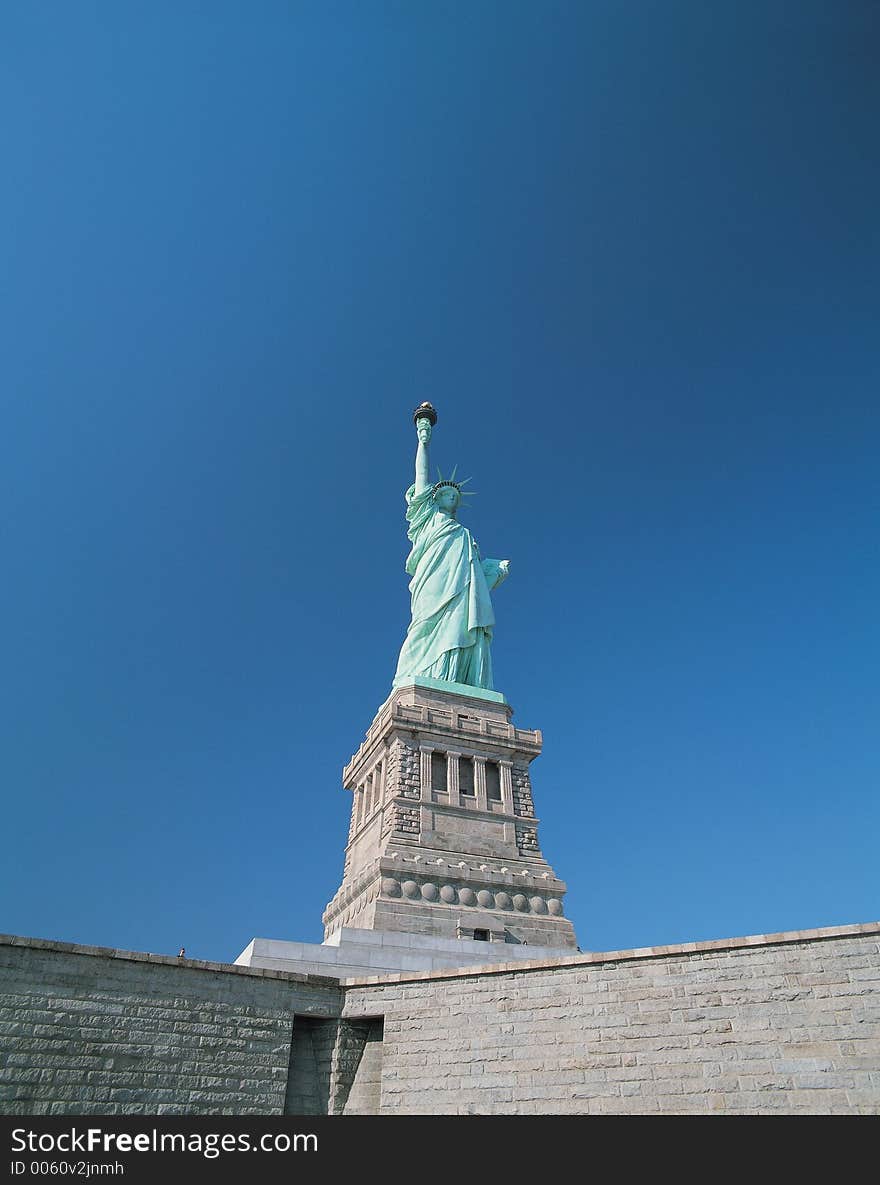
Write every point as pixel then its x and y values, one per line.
pixel 438 771
pixel 493 782
pixel 466 775
pixel 481 935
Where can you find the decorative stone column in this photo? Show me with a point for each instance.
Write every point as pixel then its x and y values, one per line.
pixel 480 782
pixel 425 771
pixel 452 777
pixel 504 769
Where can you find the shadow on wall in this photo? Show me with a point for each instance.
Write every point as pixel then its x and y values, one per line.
pixel 335 1067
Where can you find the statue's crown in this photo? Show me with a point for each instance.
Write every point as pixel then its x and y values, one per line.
pixel 450 481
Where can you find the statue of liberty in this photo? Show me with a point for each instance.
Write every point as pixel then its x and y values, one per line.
pixel 451 628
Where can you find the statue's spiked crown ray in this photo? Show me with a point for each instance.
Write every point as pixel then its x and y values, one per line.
pixel 450 481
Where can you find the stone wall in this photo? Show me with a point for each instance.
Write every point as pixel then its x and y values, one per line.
pixel 777 1023
pixel 103 1032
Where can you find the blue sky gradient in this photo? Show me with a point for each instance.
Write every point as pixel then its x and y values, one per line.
pixel 631 253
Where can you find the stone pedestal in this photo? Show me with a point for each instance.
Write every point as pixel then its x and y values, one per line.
pixel 443 840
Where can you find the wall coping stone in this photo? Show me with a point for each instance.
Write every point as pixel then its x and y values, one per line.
pixel 595 958
pixel 134 956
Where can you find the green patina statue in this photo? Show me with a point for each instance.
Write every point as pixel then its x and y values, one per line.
pixel 451 628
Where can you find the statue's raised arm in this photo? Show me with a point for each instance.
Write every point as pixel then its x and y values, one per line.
pixel 425 418
pixel 450 633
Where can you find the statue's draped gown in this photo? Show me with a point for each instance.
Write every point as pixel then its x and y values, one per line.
pixel 452 618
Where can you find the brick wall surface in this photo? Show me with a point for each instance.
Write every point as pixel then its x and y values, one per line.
pixel 111 1033
pixel 769 1025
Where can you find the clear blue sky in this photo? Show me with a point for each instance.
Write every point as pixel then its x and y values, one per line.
pixel 630 250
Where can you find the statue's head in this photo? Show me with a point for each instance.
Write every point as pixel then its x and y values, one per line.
pixel 448 493
pixel 447 496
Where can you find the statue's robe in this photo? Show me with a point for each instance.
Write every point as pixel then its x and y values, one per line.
pixel 452 618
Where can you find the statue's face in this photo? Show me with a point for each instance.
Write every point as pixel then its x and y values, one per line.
pixel 447 498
